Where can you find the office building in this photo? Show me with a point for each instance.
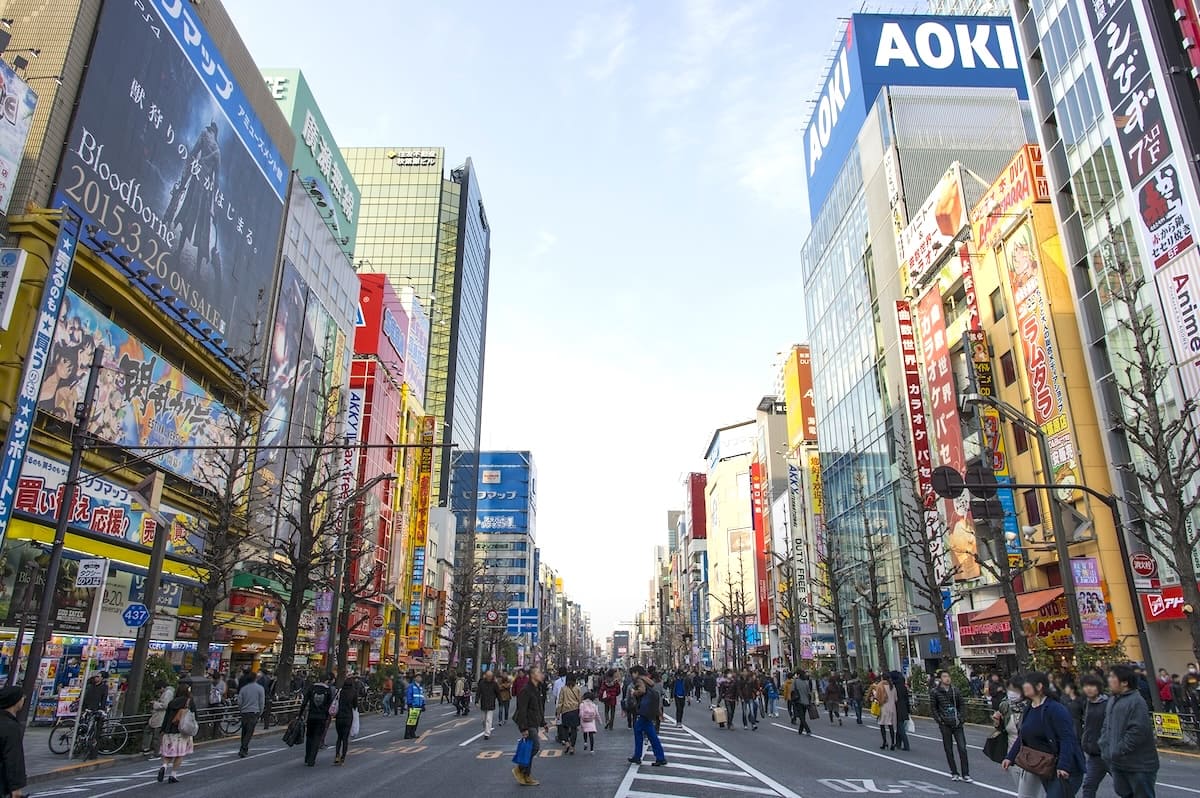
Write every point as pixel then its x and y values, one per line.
pixel 499 490
pixel 428 230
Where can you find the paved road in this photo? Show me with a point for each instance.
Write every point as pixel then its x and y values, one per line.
pixel 451 759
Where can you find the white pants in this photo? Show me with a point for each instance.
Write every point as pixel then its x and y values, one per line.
pixel 489 715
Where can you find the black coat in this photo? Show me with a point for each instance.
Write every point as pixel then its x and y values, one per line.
pixel 317 701
pixel 531 708
pixel 488 691
pixel 947 706
pixel 12 754
pixel 347 703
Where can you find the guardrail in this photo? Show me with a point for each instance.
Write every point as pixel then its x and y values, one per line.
pixel 221 720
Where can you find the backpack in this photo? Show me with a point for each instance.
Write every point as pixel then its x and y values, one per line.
pixel 630 704
pixel 650 704
pixel 318 696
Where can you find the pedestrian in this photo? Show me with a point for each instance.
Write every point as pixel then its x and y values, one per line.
pixel 803 696
pixel 679 694
pixel 12 746
pixel 1127 741
pixel 589 717
pixel 398 689
pixel 462 697
pixel 343 719
pixel 388 684
pixel 884 694
pixel 315 711
pixel 530 716
pixel 1047 728
pixel 835 694
pixel 747 693
pixel 252 700
pixel 729 696
pixel 506 694
pixel 151 735
pixel 1094 709
pixel 710 684
pixel 903 710
pixel 175 744
pixel 414 699
pixel 771 693
pixel 268 684
pixel 854 697
pixel 566 712
pixel 949 711
pixel 487 695
pixel 610 693
pixel 1008 718
pixel 649 710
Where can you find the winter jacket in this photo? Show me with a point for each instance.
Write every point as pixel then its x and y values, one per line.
pixel 1093 722
pixel 1127 736
pixel 531 708
pixel 854 689
pixel 252 699
pixel 947 706
pixel 609 693
pixel 834 692
pixel 347 703
pixel 903 701
pixel 802 692
pixel 728 690
pixel 12 754
pixel 316 700
pixel 414 698
pixel 1048 727
pixel 487 694
pixel 160 708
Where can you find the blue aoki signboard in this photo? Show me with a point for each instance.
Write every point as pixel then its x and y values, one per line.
pixel 882 50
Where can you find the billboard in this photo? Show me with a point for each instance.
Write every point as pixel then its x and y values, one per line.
pixel 17 104
pixel 798 397
pixel 758 514
pixel 697 514
pixel 23 584
pixel 881 50
pixel 382 326
pixel 416 356
pixel 933 227
pixel 167 158
pixel 318 157
pixel 1021 183
pixel 141 398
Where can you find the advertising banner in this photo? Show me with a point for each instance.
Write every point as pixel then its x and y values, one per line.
pixel 1093 608
pixel 12 268
pixel 322 610
pixel 933 227
pixel 119 594
pixel 141 399
pixel 17 104
pixel 1020 184
pixel 758 513
pixel 1179 292
pixel 416 356
pixel 947 429
pixel 1166 223
pixel 914 408
pixel 22 587
pixel 168 159
pixel 1038 348
pixel 16 439
pixel 101 507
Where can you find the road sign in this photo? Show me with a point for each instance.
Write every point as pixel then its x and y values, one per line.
pixel 377 622
pixel 91 573
pixel 947 482
pixel 1143 564
pixel 492 616
pixel 983 480
pixel 523 621
pixel 135 615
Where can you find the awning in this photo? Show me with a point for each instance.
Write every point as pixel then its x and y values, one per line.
pixel 1028 602
pixel 115 551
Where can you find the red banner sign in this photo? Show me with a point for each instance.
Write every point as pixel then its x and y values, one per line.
pixel 758 503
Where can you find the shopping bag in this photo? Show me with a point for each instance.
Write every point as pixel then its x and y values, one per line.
pixel 294 734
pixel 814 712
pixel 188 726
pixel 995 747
pixel 910 727
pixel 876 710
pixel 720 716
pixel 524 755
pixel 354 724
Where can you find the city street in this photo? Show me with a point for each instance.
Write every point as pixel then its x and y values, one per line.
pixel 452 759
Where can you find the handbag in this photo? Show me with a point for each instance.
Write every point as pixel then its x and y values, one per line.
pixel 294 734
pixel 333 707
pixel 188 726
pixel 1040 763
pixel 813 712
pixel 995 747
pixel 719 715
pixel 876 710
pixel 910 727
pixel 524 755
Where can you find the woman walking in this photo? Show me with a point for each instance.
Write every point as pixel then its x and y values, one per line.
pixel 569 699
pixel 1008 719
pixel 835 694
pixel 903 710
pixel 506 693
pixel 1047 729
pixel 175 744
pixel 152 736
pixel 347 702
pixel 589 717
pixel 610 691
pixel 885 696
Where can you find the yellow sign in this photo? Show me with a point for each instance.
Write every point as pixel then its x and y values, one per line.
pixel 818 494
pixel 1167 726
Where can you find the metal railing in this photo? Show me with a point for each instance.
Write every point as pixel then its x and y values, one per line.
pixel 220 720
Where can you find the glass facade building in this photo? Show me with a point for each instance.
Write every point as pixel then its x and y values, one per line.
pixel 427 230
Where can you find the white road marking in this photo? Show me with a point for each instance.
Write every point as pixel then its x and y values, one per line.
pixel 677 746
pixel 1177 787
pixel 767 780
pixel 905 762
pixel 470 740
pixel 741 788
pixel 702 769
pixel 196 770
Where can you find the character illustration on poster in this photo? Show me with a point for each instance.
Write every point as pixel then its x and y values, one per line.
pixel 193 198
pixel 962 542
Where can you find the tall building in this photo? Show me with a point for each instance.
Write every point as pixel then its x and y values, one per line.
pixel 429 230
pixel 903 94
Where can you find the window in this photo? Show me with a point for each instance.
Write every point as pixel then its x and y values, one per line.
pixel 997 305
pixel 1020 440
pixel 1033 509
pixel 1008 368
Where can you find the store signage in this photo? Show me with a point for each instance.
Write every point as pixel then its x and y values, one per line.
pixel 1179 292
pixel 135 615
pixel 1020 184
pixel 933 227
pixel 1143 564
pixel 1166 223
pixel 393 332
pixel 91 573
pixel 758 509
pixel 12 268
pixel 413 157
pixel 16 117
pixel 1165 604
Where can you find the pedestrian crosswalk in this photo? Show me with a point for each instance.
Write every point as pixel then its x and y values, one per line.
pixel 696 766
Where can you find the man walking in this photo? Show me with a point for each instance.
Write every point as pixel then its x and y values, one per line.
pixel 488 695
pixel 315 710
pixel 1127 741
pixel 252 700
pixel 949 710
pixel 803 696
pixel 530 717
pixel 747 692
pixel 649 710
pixel 12 750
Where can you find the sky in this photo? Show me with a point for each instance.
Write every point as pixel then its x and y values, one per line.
pixel 643 174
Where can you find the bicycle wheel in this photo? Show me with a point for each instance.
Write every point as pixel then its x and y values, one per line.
pixel 60 736
pixel 113 739
pixel 231 724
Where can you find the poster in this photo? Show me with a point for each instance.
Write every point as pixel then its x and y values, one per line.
pixel 22 586
pixel 17 104
pixel 1089 593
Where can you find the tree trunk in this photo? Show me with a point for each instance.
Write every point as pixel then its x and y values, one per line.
pixel 1000 552
pixel 204 634
pixel 1191 592
pixel 287 649
pixel 880 642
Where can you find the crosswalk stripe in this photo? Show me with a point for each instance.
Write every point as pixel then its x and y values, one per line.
pixel 741 788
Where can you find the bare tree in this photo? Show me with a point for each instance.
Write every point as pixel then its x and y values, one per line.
pixel 362 572
pixel 830 604
pixel 993 558
pixel 1165 442
pixel 874 600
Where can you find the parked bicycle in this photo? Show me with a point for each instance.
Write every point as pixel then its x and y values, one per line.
pixel 97 734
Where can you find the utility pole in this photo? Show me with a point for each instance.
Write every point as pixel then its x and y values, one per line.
pixel 158 553
pixel 79 439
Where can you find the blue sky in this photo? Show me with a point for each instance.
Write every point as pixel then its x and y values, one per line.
pixel 642 170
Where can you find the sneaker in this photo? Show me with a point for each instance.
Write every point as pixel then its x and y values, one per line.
pixel 955 777
pixel 754 727
pixel 658 763
pixel 633 761
pixel 172 780
pixel 530 781
pixel 968 779
pixel 487 736
pixel 518 775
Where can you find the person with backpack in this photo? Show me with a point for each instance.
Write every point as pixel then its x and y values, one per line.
pixel 679 694
pixel 414 699
pixel 770 691
pixel 315 710
pixel 949 711
pixel 589 717
pixel 803 696
pixel 649 710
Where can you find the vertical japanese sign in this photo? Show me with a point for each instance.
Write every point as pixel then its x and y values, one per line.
pixel 428 432
pixel 817 490
pixel 16 440
pixel 914 407
pixel 758 512
pixel 808 407
pixel 1093 608
pixel 802 575
pixel 16 115
pixel 947 429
